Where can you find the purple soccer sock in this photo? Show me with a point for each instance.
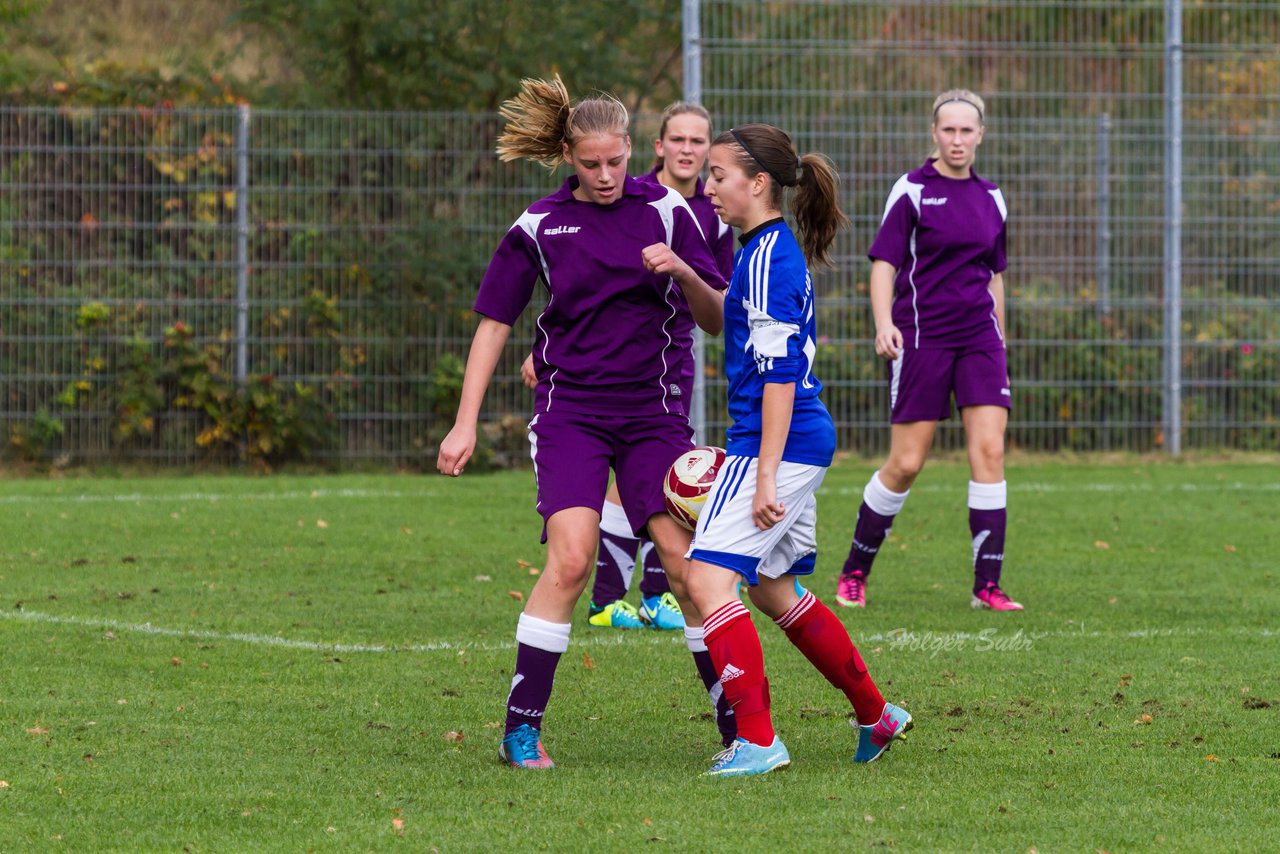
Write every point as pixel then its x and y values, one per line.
pixel 615 557
pixel 539 645
pixel 725 721
pixel 654 580
pixel 879 507
pixel 988 517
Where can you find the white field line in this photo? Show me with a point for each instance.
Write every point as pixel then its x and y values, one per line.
pixel 911 639
pixel 214 497
pixel 380 494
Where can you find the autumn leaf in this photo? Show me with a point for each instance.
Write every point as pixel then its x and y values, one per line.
pixel 1212 757
pixel 1101 544
pixel 320 523
pixel 516 595
pixel 533 570
pixel 1143 721
pixel 1229 549
pixel 587 662
pixel 397 823
pixel 454 736
pixel 38 730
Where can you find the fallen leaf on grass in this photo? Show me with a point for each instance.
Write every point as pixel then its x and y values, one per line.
pixel 397 823
pixel 483 578
pixel 454 736
pixel 1101 544
pixel 1212 757
pixel 646 821
pixel 533 570
pixel 516 595
pixel 175 661
pixel 320 523
pixel 587 662
pixel 1143 721
pixel 4 784
pixel 38 730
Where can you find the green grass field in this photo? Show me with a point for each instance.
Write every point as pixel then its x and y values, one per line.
pixel 226 663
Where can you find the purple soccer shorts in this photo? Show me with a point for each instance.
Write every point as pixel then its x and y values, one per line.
pixel 922 382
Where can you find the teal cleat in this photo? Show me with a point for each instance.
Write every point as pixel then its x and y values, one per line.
pixel 742 758
pixel 522 748
pixel 876 738
pixel 662 612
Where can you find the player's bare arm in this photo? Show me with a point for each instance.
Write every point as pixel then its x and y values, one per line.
pixel 775 424
pixel 457 447
pixel 888 337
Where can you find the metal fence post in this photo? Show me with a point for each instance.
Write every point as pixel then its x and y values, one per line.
pixel 1173 228
pixel 1104 213
pixel 242 244
pixel 691 40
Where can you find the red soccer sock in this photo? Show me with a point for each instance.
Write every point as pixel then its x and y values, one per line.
pixel 822 638
pixel 735 649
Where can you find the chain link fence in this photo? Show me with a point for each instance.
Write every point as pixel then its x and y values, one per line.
pixel 183 286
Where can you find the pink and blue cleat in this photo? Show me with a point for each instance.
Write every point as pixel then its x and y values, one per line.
pixel 876 738
pixel 994 598
pixel 522 748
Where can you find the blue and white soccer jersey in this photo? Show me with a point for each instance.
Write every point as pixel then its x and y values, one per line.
pixel 727 534
pixel 770 336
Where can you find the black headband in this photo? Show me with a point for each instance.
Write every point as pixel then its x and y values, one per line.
pixel 733 132
pixel 958 101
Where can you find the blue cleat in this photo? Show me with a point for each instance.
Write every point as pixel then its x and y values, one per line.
pixel 742 757
pixel 661 612
pixel 615 615
pixel 876 738
pixel 522 748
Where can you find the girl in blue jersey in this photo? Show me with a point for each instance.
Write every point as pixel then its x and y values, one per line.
pixel 758 524
pixel 937 293
pixel 621 261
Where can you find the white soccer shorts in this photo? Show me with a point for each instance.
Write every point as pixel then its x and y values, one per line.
pixel 727 535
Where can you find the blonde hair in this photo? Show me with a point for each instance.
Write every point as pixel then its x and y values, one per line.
pixel 540 121
pixel 767 149
pixel 680 108
pixel 960 96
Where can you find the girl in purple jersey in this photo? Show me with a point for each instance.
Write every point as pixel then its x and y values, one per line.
pixel 681 152
pixel 620 260
pixel 937 294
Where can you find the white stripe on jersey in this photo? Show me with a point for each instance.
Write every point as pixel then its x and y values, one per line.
pixel 903 187
pixel 528 223
pixel 758 272
pixel 666 207
pixel 999 200
pixel 893 382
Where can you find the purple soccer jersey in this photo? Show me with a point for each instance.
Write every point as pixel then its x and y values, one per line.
pixel 719 238
pixel 946 238
pixel 613 337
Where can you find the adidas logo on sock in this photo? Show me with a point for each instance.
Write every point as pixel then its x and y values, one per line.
pixel 729 672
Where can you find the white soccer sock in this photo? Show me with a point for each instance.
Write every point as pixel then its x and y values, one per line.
pixel 881 498
pixel 542 634
pixel 694 640
pixel 988 496
pixel 613 521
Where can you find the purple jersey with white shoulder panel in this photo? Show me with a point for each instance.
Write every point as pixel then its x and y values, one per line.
pixel 720 240
pixel 611 340
pixel 946 237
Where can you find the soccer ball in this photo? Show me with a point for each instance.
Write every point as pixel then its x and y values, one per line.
pixel 689 480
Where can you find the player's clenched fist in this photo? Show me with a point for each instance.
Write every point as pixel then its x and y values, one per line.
pixel 659 258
